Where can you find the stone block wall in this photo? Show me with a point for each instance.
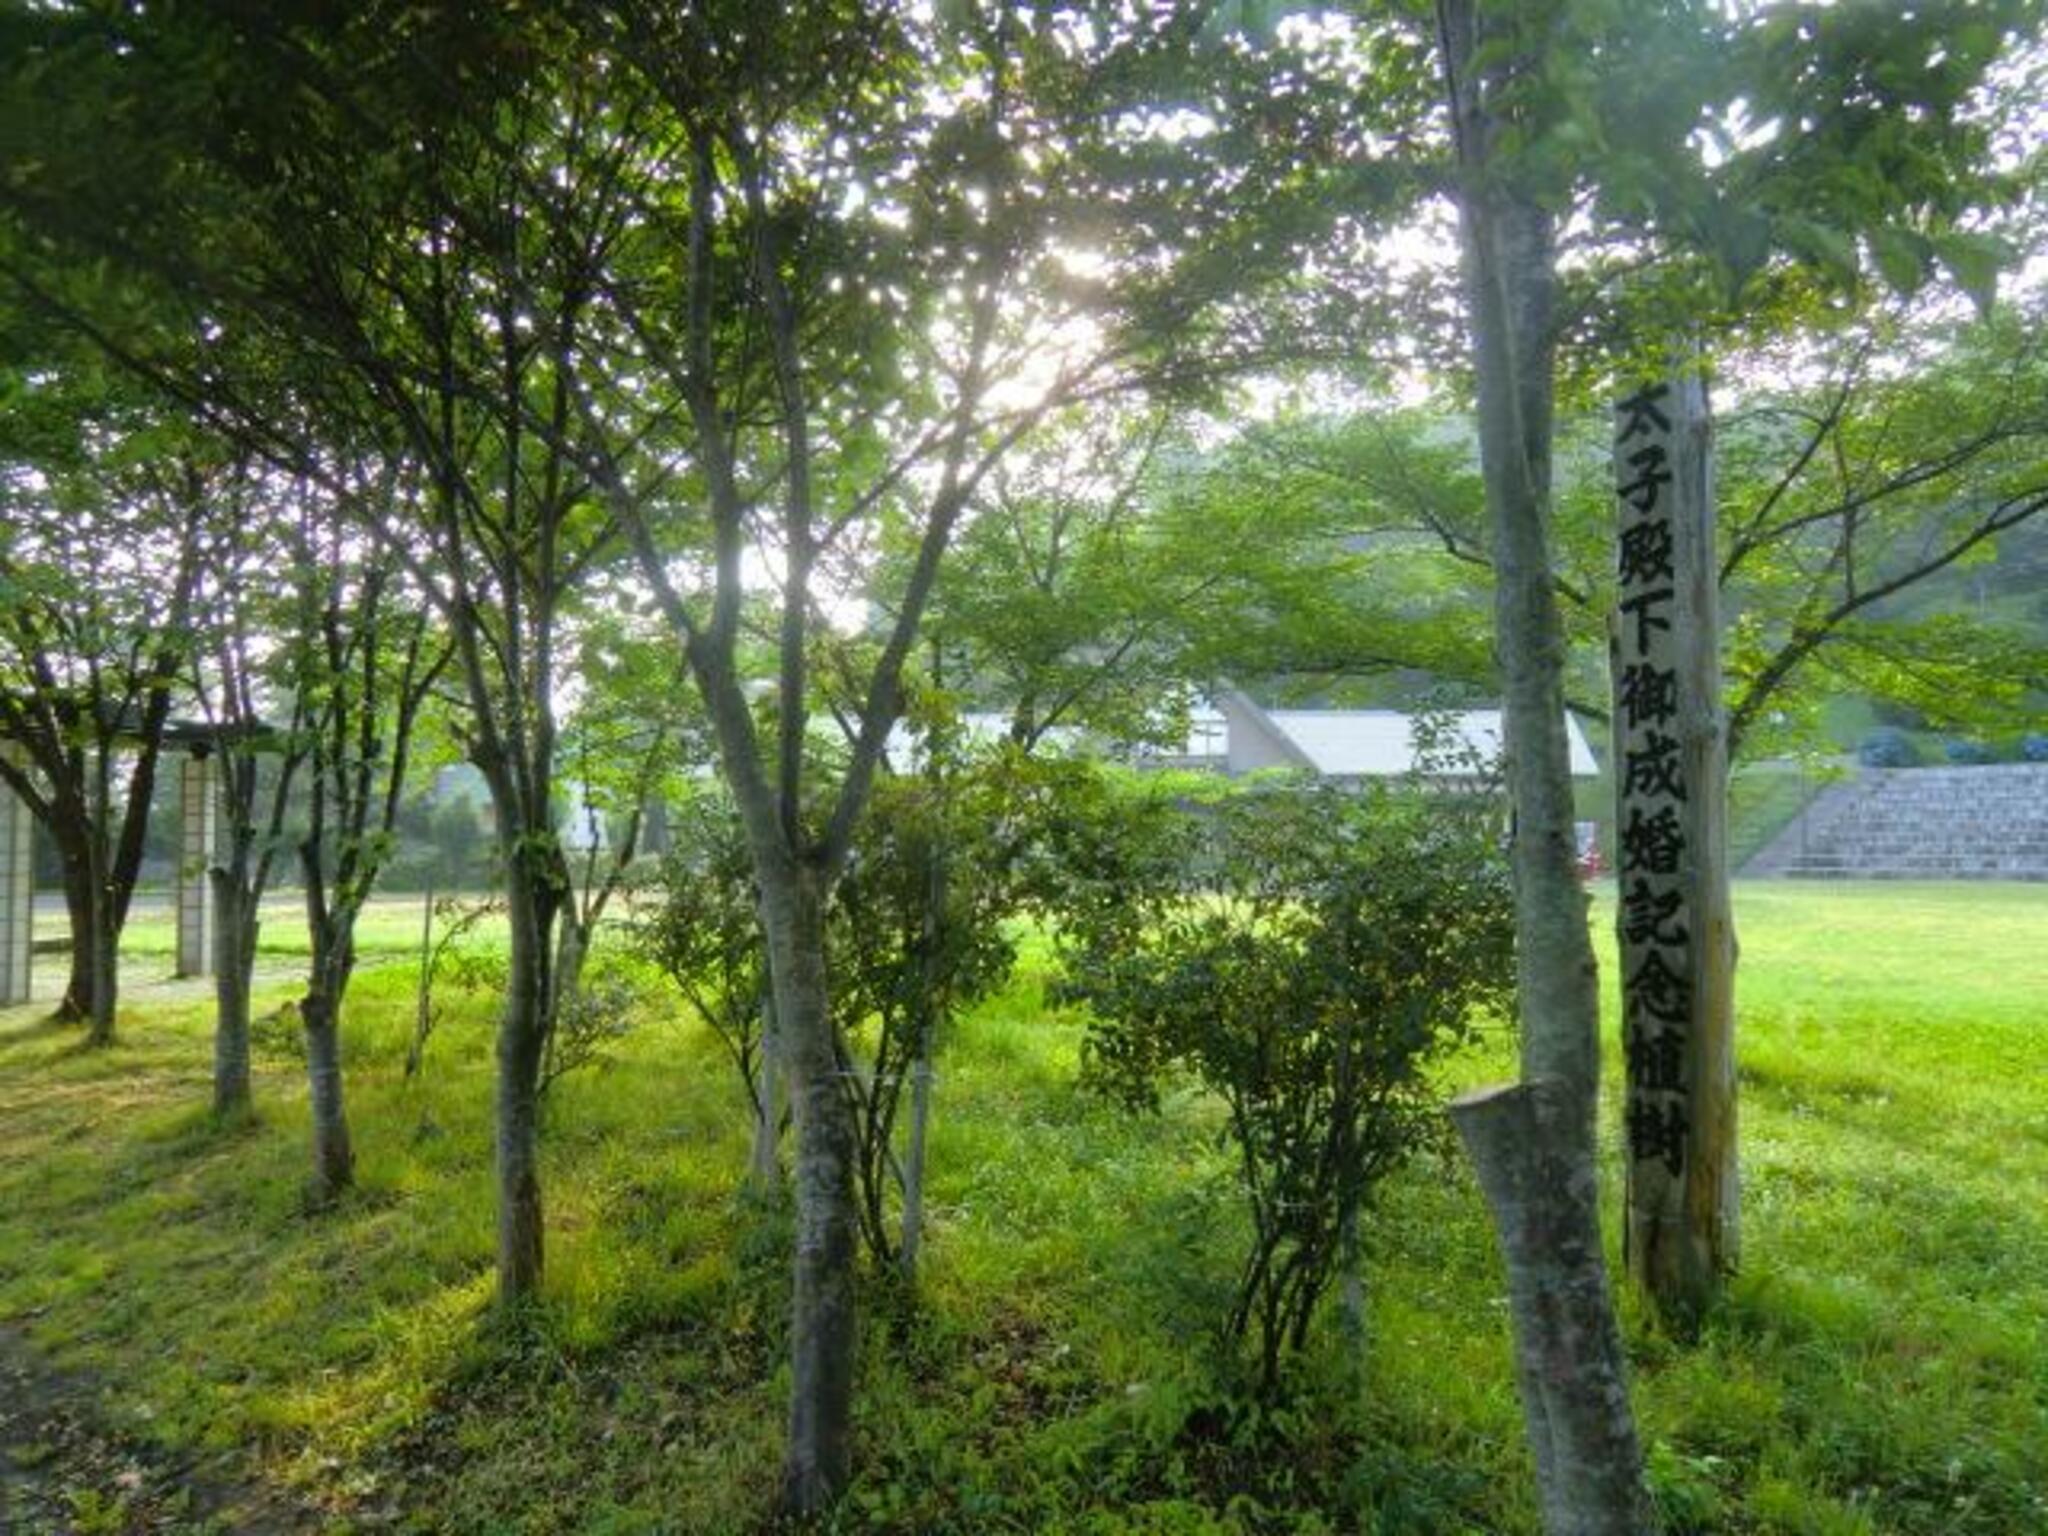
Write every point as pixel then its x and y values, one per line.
pixel 1979 823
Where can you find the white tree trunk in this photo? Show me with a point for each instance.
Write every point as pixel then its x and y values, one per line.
pixel 1533 1142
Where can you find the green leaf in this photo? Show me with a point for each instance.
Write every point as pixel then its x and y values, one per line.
pixel 1833 249
pixel 1974 261
pixel 1901 256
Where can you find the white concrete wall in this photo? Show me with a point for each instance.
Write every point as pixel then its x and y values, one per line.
pixel 198 826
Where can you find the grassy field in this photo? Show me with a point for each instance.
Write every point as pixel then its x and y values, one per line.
pixel 1880 1366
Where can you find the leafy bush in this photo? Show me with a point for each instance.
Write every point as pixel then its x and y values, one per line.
pixel 1341 941
pixel 915 931
pixel 2034 748
pixel 702 929
pixel 1887 747
pixel 1960 750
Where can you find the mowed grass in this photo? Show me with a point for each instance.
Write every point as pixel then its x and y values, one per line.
pixel 388 930
pixel 1881 1364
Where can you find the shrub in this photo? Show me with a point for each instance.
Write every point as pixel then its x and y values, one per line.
pixel 1341 942
pixel 2034 748
pixel 703 931
pixel 1887 747
pixel 1960 750
pixel 915 932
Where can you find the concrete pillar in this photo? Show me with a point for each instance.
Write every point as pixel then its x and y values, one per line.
pixel 17 895
pixel 198 827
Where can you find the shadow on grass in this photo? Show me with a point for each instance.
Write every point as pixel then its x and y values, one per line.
pixel 38 1031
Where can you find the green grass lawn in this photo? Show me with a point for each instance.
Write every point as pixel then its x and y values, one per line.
pixel 1881 1365
pixel 389 929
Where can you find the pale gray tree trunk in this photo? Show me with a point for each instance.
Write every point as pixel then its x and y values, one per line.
pixel 1533 1142
pixel 423 992
pixel 105 982
pixel 234 950
pixel 929 1016
pixel 764 1162
pixel 522 1037
pixel 84 926
pixel 106 975
pixel 333 1152
pixel 913 1161
pixel 822 1339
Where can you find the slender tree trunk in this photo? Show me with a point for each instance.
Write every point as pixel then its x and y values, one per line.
pixel 822 1337
pixel 1351 1297
pixel 104 986
pixel 1350 1248
pixel 1568 1364
pixel 78 908
pixel 522 1037
pixel 234 951
pixel 764 1164
pixel 334 1160
pixel 1533 1142
pixel 572 944
pixel 423 1006
pixel 913 1162
pixel 928 1019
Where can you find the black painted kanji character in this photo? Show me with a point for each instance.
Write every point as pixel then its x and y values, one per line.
pixel 1653 473
pixel 1656 1060
pixel 1654 768
pixel 1645 550
pixel 1657 1131
pixel 1640 413
pixel 1647 622
pixel 1658 991
pixel 1648 695
pixel 1647 914
pixel 1652 844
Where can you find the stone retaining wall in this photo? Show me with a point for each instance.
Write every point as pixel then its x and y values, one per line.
pixel 1979 823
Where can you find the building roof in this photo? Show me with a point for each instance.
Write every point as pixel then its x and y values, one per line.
pixel 1380 743
pixel 1335 743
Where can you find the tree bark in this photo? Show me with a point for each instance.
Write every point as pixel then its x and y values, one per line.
pixel 822 1337
pixel 764 1164
pixel 105 983
pixel 928 1017
pixel 78 908
pixel 234 950
pixel 1568 1359
pixel 1534 1143
pixel 913 1161
pixel 522 1037
pixel 334 1162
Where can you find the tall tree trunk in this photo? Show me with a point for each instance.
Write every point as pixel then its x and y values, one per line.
pixel 1533 1142
pixel 334 1162
pixel 764 1164
pixel 234 951
pixel 78 908
pixel 913 1160
pixel 928 1016
pixel 423 993
pixel 822 1337
pixel 522 1037
pixel 104 984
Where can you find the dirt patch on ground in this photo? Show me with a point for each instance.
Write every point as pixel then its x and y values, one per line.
pixel 63 1469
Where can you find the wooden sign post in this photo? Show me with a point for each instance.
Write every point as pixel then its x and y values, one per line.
pixel 1675 926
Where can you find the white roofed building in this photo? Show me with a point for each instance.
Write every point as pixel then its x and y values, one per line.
pixel 1232 735
pixel 1238 737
